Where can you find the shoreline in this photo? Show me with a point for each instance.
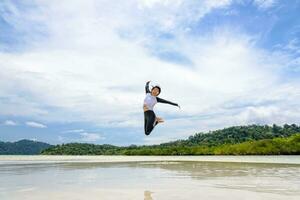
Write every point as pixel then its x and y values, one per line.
pixel 40 159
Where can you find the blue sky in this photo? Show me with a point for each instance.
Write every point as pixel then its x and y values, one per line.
pixel 74 71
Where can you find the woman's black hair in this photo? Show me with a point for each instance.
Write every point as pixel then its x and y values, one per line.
pixel 158 87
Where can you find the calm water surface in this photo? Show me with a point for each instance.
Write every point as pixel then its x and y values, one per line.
pixel 150 178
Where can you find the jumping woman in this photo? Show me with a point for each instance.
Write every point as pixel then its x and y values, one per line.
pixel 149 102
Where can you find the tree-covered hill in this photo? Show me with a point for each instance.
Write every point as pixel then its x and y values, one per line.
pixel 276 146
pixel 200 143
pixel 22 147
pixel 238 134
pixel 82 149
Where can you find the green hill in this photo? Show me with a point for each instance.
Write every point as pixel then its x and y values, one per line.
pixel 276 146
pixel 214 142
pixel 22 147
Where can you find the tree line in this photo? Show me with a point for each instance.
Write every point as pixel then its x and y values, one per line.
pixel 236 140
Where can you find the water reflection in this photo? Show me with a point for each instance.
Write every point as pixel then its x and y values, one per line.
pixel 147 195
pixel 198 170
pixel 281 179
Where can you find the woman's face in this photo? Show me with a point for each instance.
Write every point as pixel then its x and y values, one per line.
pixel 155 92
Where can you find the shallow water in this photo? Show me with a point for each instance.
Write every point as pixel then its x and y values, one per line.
pixel 142 177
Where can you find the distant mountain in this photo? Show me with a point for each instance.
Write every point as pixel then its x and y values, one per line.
pixel 22 147
pixel 221 141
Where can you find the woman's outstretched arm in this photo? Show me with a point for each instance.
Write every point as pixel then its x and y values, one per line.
pixel 147 87
pixel 160 100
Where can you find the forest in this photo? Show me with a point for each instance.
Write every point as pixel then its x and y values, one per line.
pixel 236 140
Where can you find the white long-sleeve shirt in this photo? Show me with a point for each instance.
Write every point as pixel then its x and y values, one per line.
pixel 150 100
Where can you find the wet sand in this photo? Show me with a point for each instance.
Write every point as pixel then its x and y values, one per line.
pixel 147 177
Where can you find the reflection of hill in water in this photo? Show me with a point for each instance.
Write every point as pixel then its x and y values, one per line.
pixel 204 170
pixel 256 177
pixel 198 170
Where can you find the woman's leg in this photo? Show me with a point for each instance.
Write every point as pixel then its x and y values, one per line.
pixel 145 122
pixel 149 121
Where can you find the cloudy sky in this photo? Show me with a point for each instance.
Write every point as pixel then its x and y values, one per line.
pixel 75 70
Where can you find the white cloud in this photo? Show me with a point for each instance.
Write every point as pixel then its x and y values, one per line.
pixel 82 134
pixel 10 123
pixel 35 124
pixel 73 131
pixel 156 139
pixel 172 15
pixel 91 137
pixel 60 138
pixel 264 4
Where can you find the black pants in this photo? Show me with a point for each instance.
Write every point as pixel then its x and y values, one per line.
pixel 149 117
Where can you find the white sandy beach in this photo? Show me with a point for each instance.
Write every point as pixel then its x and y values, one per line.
pixel 284 159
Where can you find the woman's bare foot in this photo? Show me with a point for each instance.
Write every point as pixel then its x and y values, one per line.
pixel 159 120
